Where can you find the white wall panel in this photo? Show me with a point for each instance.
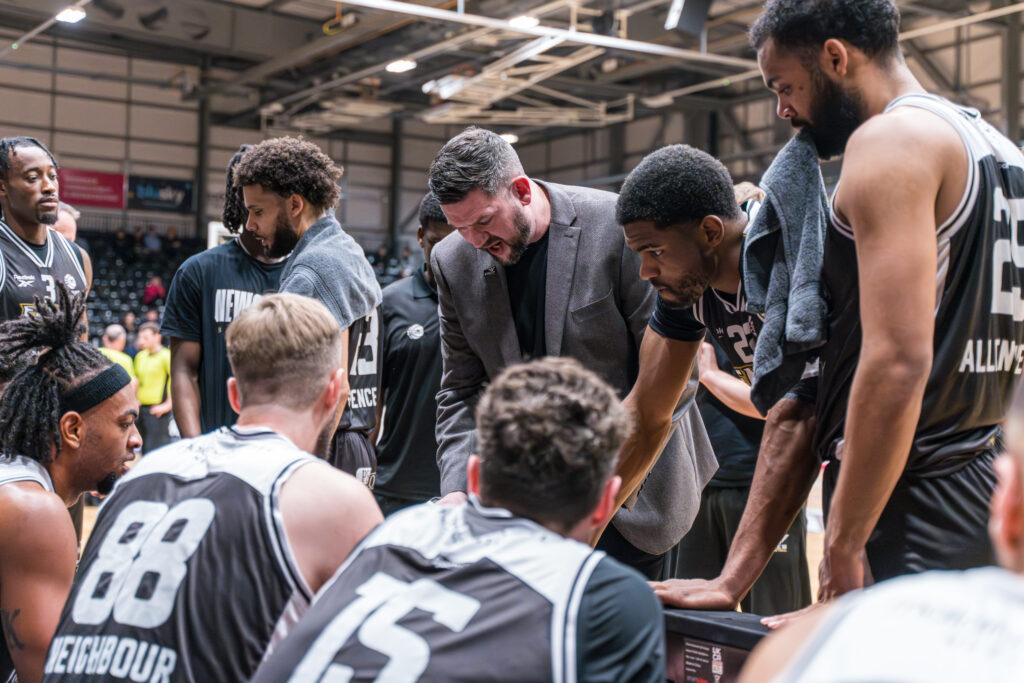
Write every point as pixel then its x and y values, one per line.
pixel 184 155
pixel 19 106
pixel 163 124
pixel 90 116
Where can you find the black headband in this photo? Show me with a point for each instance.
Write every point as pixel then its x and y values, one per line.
pixel 96 390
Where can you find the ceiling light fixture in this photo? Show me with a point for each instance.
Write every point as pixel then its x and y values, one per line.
pixel 400 66
pixel 510 138
pixel 71 15
pixel 675 11
pixel 523 21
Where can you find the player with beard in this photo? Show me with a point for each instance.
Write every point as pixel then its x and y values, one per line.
pixel 290 189
pixel 210 548
pixel 541 269
pixel 210 290
pixel 925 316
pixel 683 217
pixel 67 425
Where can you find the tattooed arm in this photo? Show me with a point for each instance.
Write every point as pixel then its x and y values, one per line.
pixel 37 565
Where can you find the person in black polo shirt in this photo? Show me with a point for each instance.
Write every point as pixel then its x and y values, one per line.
pixel 209 291
pixel 725 405
pixel 406 465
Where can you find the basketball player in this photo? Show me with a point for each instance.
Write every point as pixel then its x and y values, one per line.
pixel 290 190
pixel 33 257
pixel 681 214
pixel 925 321
pixel 936 626
pixel 211 548
pixel 499 587
pixel 210 290
pixel 406 467
pixel 67 425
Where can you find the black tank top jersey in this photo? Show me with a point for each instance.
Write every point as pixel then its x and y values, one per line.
pixel 188 575
pixel 442 593
pixel 13 470
pixel 979 319
pixel 365 351
pixel 24 274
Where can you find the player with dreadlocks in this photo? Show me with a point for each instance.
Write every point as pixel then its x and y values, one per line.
pixel 67 425
pixel 208 292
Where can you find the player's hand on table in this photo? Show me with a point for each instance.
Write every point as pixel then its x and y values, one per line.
pixel 780 620
pixel 694 594
pixel 453 498
pixel 159 410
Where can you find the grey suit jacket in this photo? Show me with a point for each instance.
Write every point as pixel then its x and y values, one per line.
pixel 596 311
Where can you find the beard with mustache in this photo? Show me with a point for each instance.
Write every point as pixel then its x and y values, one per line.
pixel 688 289
pixel 285 238
pixel 519 242
pixel 835 113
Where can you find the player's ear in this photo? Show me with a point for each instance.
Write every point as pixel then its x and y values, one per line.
pixel 72 430
pixel 337 390
pixel 296 204
pixel 606 505
pixel 473 475
pixel 712 229
pixel 521 190
pixel 419 236
pixel 234 399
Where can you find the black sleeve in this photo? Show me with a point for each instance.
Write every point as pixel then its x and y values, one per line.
pixel 676 323
pixel 184 310
pixel 621 633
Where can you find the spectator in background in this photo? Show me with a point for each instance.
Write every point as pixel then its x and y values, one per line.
pixel 128 322
pixel 406 451
pixel 122 244
pixel 152 316
pixel 172 238
pixel 137 236
pixel 408 262
pixel 151 242
pixel 114 339
pixel 154 291
pixel 153 369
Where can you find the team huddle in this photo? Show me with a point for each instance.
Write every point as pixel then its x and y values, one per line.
pixel 879 330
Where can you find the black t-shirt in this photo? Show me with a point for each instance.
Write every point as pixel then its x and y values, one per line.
pixel 207 293
pixel 735 438
pixel 526 293
pixel 406 452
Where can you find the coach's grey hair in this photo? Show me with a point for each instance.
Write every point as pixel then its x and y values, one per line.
pixel 75 213
pixel 114 332
pixel 475 158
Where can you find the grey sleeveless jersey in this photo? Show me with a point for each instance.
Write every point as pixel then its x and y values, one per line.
pixel 15 469
pixel 979 314
pixel 440 593
pixel 188 575
pixel 24 275
pixel 936 626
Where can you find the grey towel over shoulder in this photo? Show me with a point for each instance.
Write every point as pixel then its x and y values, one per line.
pixel 782 261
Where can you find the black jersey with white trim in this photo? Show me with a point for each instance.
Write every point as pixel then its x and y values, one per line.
pixel 472 593
pixel 979 316
pixel 25 275
pixel 188 575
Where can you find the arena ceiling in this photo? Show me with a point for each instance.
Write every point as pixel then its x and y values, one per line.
pixel 320 66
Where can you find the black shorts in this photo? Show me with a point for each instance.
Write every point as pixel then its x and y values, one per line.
pixel 353 453
pixel 931 522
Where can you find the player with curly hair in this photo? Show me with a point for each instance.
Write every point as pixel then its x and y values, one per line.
pixel 67 425
pixel 210 290
pixel 290 189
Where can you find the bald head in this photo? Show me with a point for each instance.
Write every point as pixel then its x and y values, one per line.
pixel 115 337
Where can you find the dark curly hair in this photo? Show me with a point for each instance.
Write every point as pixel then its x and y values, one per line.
pixel 548 435
pixel 430 211
pixel 234 214
pixel 30 405
pixel 287 166
pixel 675 185
pixel 803 26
